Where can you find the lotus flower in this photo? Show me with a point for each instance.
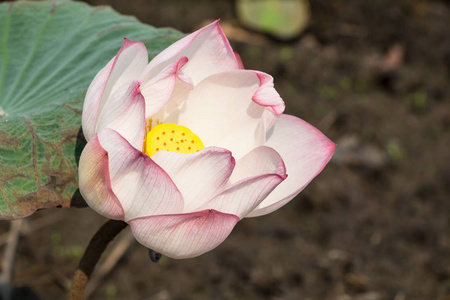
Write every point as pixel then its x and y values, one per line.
pixel 184 147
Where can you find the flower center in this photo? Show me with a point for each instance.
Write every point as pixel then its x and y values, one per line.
pixel 171 137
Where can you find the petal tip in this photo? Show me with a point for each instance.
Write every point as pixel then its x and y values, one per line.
pixel 329 146
pixel 128 42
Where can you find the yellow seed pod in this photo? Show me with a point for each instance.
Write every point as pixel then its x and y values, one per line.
pixel 171 137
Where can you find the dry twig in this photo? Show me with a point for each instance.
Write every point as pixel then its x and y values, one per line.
pixel 9 258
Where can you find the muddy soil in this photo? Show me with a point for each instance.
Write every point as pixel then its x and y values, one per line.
pixel 374 77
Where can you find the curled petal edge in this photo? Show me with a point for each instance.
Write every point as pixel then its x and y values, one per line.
pixel 124 113
pixel 266 95
pixel 158 90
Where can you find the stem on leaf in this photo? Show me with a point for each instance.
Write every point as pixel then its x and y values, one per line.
pixel 94 250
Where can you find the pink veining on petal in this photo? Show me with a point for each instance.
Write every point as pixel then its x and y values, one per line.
pixel 256 175
pixel 95 183
pixel 141 186
pixel 244 196
pixel 198 175
pixel 106 79
pixel 92 100
pixel 183 235
pixel 125 113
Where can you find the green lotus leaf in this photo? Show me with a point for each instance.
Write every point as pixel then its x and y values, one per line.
pixel 49 53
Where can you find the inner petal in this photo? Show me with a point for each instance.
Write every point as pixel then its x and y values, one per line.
pixel 172 137
pixel 220 109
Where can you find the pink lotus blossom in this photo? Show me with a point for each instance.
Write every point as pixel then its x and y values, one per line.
pixel 184 147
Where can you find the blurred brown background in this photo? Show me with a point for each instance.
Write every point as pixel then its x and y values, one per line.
pixel 374 77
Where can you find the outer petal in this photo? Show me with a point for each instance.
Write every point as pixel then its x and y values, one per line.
pixel 124 112
pixel 305 151
pixel 259 173
pixel 126 65
pixel 221 112
pixel 198 175
pixel 94 181
pixel 183 235
pixel 207 49
pixel 141 186
pixel 159 89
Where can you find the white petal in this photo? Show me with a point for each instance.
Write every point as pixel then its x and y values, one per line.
pixel 161 88
pixel 259 173
pixel 95 183
pixel 305 151
pixel 221 112
pixel 141 186
pixel 198 175
pixel 259 161
pixel 183 235
pixel 207 49
pixel 125 66
pixel 124 112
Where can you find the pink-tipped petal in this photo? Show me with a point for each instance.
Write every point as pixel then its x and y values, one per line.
pixel 198 175
pixel 266 95
pixel 158 90
pixel 126 65
pixel 256 175
pixel 207 49
pixel 94 181
pixel 305 151
pixel 124 113
pixel 221 112
pixel 141 186
pixel 183 235
pixel 92 100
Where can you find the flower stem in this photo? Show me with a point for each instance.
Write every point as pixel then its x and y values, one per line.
pixel 94 250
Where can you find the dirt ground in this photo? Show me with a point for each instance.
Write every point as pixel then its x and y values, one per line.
pixel 374 77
